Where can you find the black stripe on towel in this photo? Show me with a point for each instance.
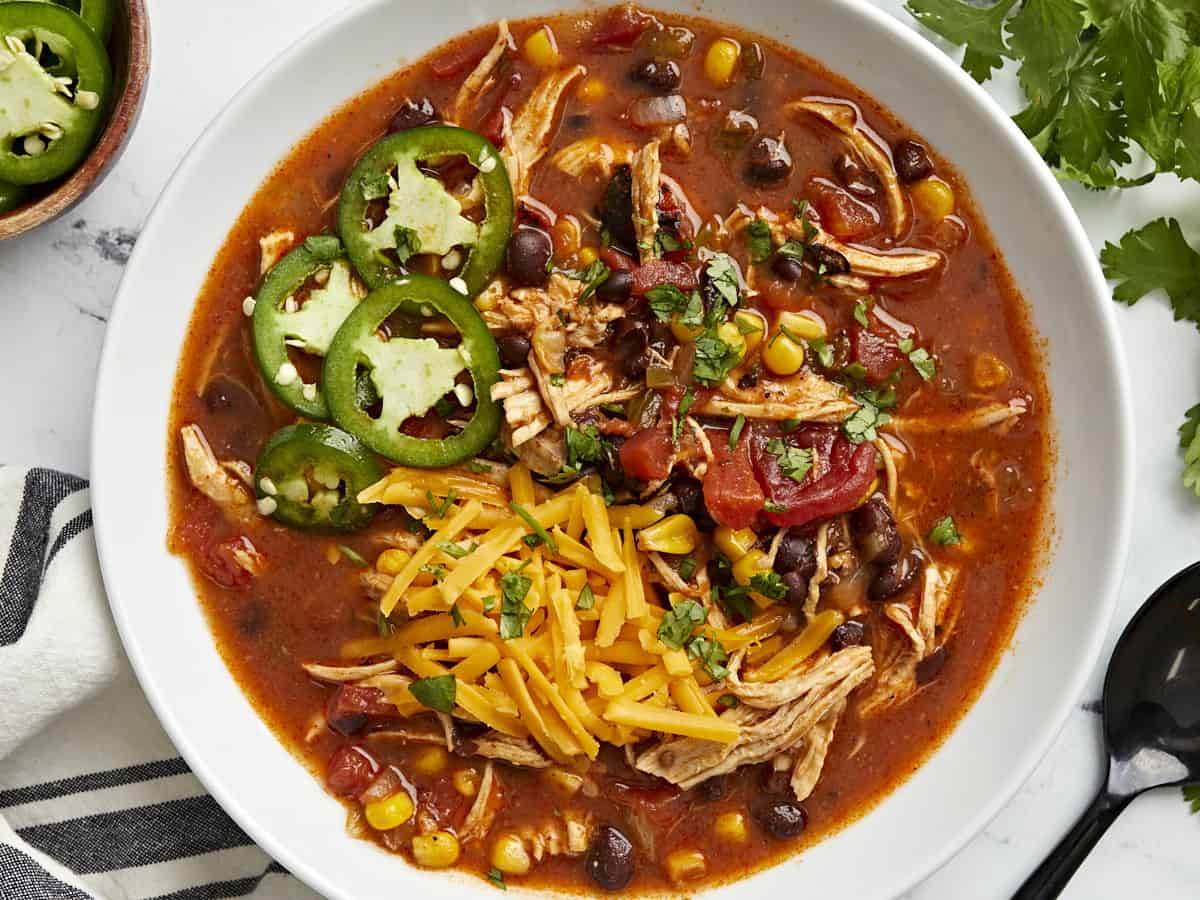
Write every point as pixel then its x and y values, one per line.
pixel 218 890
pixel 70 531
pixel 23 878
pixel 22 576
pixel 138 836
pixel 93 781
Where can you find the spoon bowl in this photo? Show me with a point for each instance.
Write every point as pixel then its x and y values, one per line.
pixel 1151 721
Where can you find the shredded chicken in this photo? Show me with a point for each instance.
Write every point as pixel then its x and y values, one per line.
pixel 524 410
pixel 804 396
pixel 863 261
pixel 647 189
pixel 246 555
pixel 483 811
pixel 546 453
pixel 845 118
pixel 900 614
pixel 592 154
pixel 821 573
pixel 986 416
pixel 272 248
pixel 567 835
pixel 668 575
pixel 588 379
pixel 212 478
pixel 814 677
pixel 812 760
pixel 407 732
pixel 514 751
pixel 533 127
pixel 687 762
pixel 482 79
pixel 935 598
pixel 889 468
pixel 375 584
pixel 346 674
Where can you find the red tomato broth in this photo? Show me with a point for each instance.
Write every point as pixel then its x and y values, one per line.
pixel 306 605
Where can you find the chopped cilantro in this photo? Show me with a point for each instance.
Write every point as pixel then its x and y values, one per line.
pixel 592 277
pixel 769 584
pixel 514 614
pixel 758 239
pixel 587 599
pixel 489 603
pixel 384 625
pixel 438 509
pixel 736 431
pixel 861 424
pixel 438 572
pixel 687 567
pixel 666 242
pixel 496 877
pixel 677 625
pixel 353 555
pixel 794 461
pixel 855 371
pixel 790 425
pixel 677 422
pixel 861 309
pixel 457 551
pixel 544 537
pixel 457 616
pixel 478 468
pixel 923 363
pixel 771 506
pixel 712 656
pixel 722 277
pixel 437 693
pixel 558 379
pixel 945 532
pixel 1156 257
pixel 823 351
pixel 714 359
pixel 735 600
pixel 792 249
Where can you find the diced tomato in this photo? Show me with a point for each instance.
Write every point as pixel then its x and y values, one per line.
pixel 663 271
pixel 221 565
pixel 457 61
pixel 620 28
pixel 350 707
pixel 731 492
pixel 877 354
pixel 616 260
pixel 842 214
pixel 430 426
pixel 496 124
pixel 839 480
pixel 349 771
pixel 647 455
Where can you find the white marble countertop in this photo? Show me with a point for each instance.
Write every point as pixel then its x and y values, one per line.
pixel 58 285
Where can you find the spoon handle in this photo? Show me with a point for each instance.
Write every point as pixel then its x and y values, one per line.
pixel 1050 878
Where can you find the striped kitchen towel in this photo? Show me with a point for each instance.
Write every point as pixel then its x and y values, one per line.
pixel 94 800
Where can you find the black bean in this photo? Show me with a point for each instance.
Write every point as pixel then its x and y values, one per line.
pixel 713 789
pixel 931 666
pixel 514 350
pixel 797 587
pixel 631 345
pixel 224 394
pixel 529 252
pixel 616 212
pixel 616 288
pixel 413 114
pixel 775 782
pixel 749 380
pixel 658 74
pixel 797 553
pixel 875 531
pixel 895 577
pixel 827 260
pixel 787 267
pixel 781 818
pixel 609 859
pixel 738 125
pixel 912 160
pixel 768 159
pixel 859 181
pixel 689 496
pixel 848 634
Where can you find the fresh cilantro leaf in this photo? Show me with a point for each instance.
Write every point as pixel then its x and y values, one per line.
pixel 770 585
pixel 923 363
pixel 771 506
pixel 792 249
pixel 667 242
pixel 794 461
pixel 855 371
pixel 489 603
pixel 384 625
pixel 714 359
pixel 437 693
pixel 543 536
pixel 687 567
pixel 722 277
pixel 677 422
pixel 823 351
pixel 1189 441
pixel 438 572
pixel 438 509
pixel 790 425
pixel 584 445
pixel 457 616
pixel 514 614
pixel 587 599
pixel 945 532
pixel 496 877
pixel 457 551
pixel 861 309
pixel 558 379
pixel 711 655
pixel 980 28
pixel 324 247
pixel 408 244
pixel 677 625
pixel 592 277
pixel 1152 257
pixel 861 424
pixel 477 467
pixel 736 431
pixel 666 300
pixel 1044 35
pixel 758 240
pixel 735 601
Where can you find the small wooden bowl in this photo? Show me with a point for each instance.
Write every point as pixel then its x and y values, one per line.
pixel 129 50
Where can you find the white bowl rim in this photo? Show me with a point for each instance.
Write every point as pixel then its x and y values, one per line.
pixel 927 53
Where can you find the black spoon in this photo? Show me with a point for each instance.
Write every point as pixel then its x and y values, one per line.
pixel 1151 722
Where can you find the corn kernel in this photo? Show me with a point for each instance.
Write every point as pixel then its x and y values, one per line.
pixel 720 62
pixel 735 543
pixel 782 355
pixel 487 300
pixel 732 336
pixel 989 371
pixel 587 256
pixel 686 865
pixel 466 782
pixel 566 783
pixel 675 534
pixel 541 48
pixel 933 197
pixel 592 89
pixel 749 566
pixel 751 327
pixel 731 826
pixel 392 562
pixel 431 760
pixel 633 516
pixel 438 850
pixel 390 812
pixel 510 855
pixel 685 334
pixel 802 326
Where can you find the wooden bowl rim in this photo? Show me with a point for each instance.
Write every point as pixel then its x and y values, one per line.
pixel 111 142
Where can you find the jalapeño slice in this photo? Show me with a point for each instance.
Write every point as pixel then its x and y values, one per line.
pixel 411 375
pixel 281 321
pixel 422 216
pixel 313 475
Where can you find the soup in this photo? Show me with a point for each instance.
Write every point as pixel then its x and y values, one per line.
pixel 610 452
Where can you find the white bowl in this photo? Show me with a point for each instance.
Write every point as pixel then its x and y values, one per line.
pixel 997 744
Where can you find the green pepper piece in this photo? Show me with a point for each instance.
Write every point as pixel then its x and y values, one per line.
pixel 313 474
pixel 311 326
pixel 411 375
pixel 97 14
pixel 422 216
pixel 12 196
pixel 51 107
